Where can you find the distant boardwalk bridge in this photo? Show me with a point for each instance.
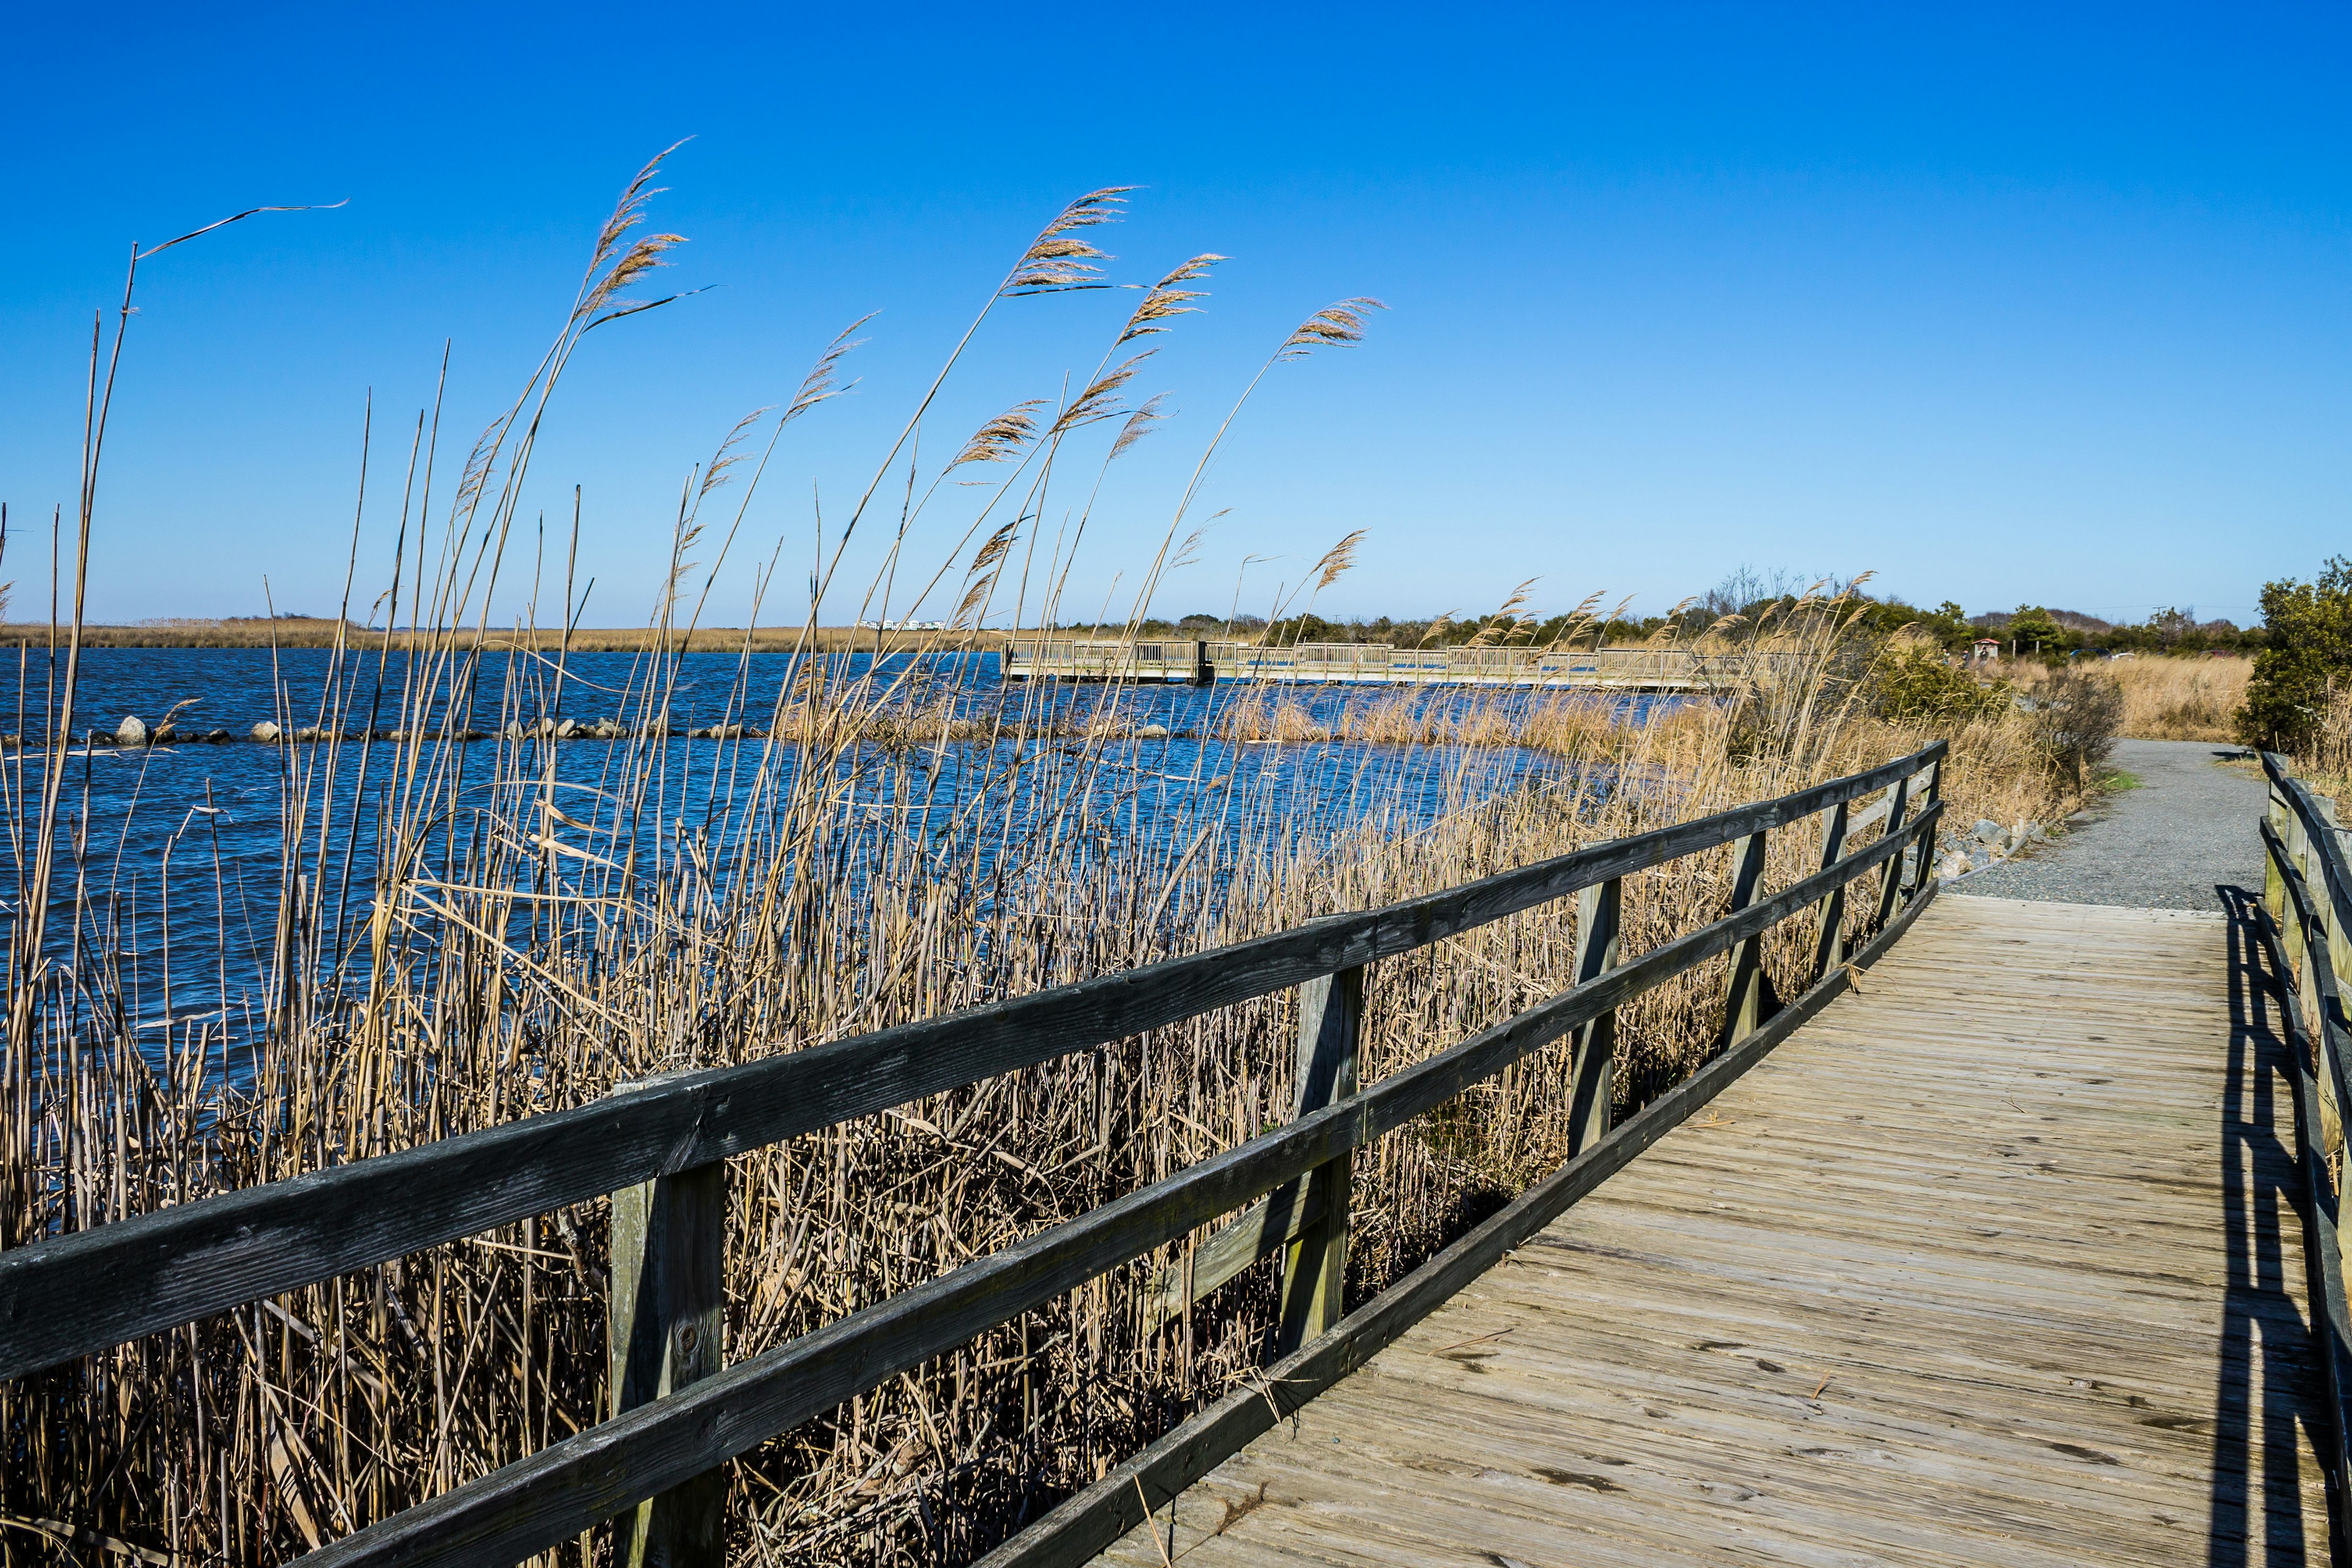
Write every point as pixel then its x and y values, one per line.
pixel 1200 662
pixel 2009 1237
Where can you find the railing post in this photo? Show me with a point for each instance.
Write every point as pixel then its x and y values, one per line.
pixel 1923 852
pixel 1743 1009
pixel 1890 884
pixel 1829 929
pixel 1314 1268
pixel 666 1312
pixel 2309 858
pixel 2339 940
pixel 1599 914
pixel 2274 897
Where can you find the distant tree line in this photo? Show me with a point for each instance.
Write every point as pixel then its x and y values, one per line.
pixel 2302 651
pixel 2029 631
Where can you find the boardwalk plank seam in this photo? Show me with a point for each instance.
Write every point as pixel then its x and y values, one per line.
pixel 2087 1384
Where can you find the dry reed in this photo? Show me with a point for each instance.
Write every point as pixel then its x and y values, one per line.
pixel 524 943
pixel 2165 699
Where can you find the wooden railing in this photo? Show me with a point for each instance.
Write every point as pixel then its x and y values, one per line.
pixel 2307 892
pixel 680 1413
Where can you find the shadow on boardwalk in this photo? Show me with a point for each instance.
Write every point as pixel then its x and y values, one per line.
pixel 1996 1262
pixel 2256 1437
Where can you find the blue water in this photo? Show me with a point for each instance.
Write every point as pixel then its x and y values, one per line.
pixel 215 813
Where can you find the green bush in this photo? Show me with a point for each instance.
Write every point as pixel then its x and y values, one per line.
pixel 1916 687
pixel 2033 629
pixel 2075 718
pixel 2310 633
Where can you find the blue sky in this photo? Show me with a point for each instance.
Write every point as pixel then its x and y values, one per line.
pixel 2006 304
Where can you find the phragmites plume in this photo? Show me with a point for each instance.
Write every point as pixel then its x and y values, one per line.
pixel 1583 613
pixel 1169 298
pixel 1338 559
pixel 727 456
pixel 821 383
pixel 479 465
pixel 623 264
pixel 1100 401
pixel 1504 621
pixel 1333 326
pixel 995 548
pixel 1003 436
pixel 1583 619
pixel 1056 259
pixel 1139 423
pixel 981 576
pixel 1437 627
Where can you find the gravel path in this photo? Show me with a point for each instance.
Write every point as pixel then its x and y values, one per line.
pixel 2188 830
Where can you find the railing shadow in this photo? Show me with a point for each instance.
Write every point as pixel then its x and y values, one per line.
pixel 2258 1433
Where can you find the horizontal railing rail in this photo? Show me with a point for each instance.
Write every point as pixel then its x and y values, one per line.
pixel 81 1294
pixel 1146 659
pixel 2307 893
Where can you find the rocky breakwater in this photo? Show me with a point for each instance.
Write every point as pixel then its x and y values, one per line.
pixel 134 731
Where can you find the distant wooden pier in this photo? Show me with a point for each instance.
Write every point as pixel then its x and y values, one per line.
pixel 1202 662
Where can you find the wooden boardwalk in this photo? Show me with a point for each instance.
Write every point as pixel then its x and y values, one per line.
pixel 1993 1262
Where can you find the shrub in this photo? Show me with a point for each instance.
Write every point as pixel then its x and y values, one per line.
pixel 2310 627
pixel 1915 685
pixel 2076 719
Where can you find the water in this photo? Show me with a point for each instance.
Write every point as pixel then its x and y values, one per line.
pixel 215 814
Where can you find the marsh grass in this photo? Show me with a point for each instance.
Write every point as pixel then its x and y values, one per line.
pixel 2164 698
pixel 2326 760
pixel 524 936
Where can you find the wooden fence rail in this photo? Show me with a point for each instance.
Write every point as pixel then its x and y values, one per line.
pixel 2307 893
pixel 680 1413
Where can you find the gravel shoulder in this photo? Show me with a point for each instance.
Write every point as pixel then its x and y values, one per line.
pixel 2172 843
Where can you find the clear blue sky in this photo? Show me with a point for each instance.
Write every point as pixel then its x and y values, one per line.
pixel 2006 303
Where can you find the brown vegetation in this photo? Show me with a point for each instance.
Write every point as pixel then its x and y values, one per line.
pixel 525 943
pixel 2326 760
pixel 2165 699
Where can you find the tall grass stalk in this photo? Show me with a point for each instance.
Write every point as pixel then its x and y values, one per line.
pixel 540 923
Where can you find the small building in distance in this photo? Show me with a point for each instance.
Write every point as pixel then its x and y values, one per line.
pixel 1984 650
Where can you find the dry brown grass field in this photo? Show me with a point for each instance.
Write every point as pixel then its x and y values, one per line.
pixel 524 943
pixel 2165 699
pixel 2327 762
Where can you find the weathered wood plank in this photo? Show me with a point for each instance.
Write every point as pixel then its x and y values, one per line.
pixel 551 1495
pixel 1262 1229
pixel 1315 1269
pixel 665 1325
pixel 2328 840
pixel 1890 885
pixel 1829 921
pixel 1743 1008
pixel 2322 1206
pixel 92 1290
pixel 1090 1521
pixel 1600 920
pixel 1994 1268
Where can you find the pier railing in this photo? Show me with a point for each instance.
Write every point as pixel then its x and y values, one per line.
pixel 1200 661
pixel 2307 892
pixel 680 1413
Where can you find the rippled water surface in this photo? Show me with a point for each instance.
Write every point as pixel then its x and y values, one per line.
pixel 177 851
